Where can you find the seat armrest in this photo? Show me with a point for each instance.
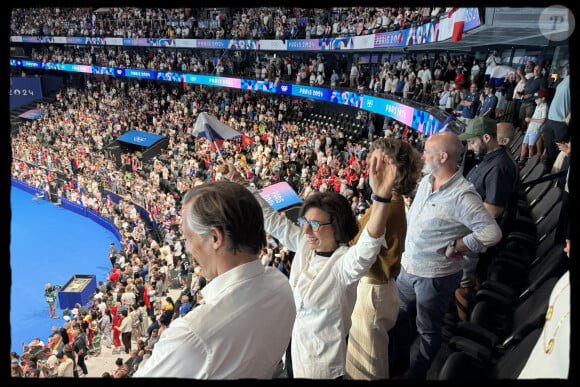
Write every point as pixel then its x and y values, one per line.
pixel 477 334
pixel 502 290
pixel 471 348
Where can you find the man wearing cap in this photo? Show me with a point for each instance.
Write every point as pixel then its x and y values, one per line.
pixel 494 179
pixel 532 144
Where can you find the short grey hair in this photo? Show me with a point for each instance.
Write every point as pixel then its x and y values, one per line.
pixel 232 209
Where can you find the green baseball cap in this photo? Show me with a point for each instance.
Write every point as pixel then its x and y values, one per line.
pixel 478 127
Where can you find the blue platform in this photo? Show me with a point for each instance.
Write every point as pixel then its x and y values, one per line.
pixel 77 290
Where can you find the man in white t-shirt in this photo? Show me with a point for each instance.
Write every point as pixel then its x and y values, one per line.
pixel 490 63
pixel 530 144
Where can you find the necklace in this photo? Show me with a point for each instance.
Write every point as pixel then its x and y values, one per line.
pixel 549 314
pixel 307 264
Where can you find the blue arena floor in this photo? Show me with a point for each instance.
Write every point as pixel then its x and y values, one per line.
pixel 48 244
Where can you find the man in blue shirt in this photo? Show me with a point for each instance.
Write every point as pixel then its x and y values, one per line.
pixel 469 105
pixel 185 306
pixel 334 79
pixel 488 101
pixel 400 86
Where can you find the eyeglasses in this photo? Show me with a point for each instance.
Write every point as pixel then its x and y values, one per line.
pixel 313 223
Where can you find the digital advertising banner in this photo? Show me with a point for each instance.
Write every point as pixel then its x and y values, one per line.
pixel 423 121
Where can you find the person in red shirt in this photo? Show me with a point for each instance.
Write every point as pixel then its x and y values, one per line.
pixel 459 79
pixel 115 276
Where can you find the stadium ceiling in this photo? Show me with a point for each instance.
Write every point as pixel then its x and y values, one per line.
pixel 518 27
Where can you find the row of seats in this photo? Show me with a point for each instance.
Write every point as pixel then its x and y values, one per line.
pixel 509 309
pixel 351 128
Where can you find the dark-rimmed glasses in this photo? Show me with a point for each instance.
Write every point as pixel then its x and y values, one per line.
pixel 313 223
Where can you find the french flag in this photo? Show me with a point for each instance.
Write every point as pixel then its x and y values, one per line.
pixel 458 17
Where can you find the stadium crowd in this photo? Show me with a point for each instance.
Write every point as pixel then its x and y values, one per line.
pixel 65 152
pixel 424 80
pixel 236 23
pixel 443 81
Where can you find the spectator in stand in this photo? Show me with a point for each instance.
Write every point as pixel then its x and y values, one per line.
pixel 185 306
pixel 494 178
pixel 445 224
pixel 125 329
pixel 443 96
pixel 80 350
pixel 505 103
pixel 492 60
pixel 327 226
pixel 488 101
pixel 113 252
pixel 122 371
pixel 531 144
pixel 354 76
pixel 400 86
pixel 469 105
pixel 255 317
pixel 533 86
pixel 460 79
pixel 334 79
pixel 66 367
pixel 377 303
pixel 16 370
pixel 556 129
pixel 475 72
pixel 518 96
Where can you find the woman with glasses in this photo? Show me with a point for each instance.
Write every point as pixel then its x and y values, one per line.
pixel 326 269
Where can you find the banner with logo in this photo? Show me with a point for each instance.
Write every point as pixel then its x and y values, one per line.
pixel 24 90
pixel 415 118
pixel 280 196
pixel 137 137
pixel 391 39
